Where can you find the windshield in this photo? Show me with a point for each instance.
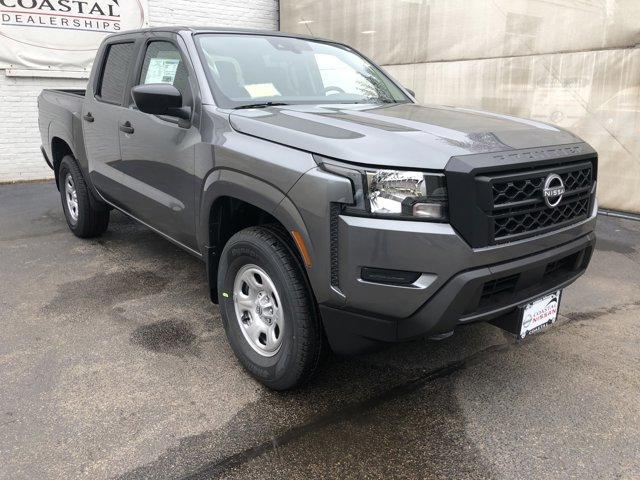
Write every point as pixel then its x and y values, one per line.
pixel 252 69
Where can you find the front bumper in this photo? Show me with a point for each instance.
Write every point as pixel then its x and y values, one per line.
pixel 458 285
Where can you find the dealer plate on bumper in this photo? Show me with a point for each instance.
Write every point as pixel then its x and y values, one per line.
pixel 534 316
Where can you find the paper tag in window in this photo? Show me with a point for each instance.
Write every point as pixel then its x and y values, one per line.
pixel 257 90
pixel 162 70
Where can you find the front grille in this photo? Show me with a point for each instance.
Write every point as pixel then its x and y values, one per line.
pixel 518 208
pixel 495 198
pixel 532 219
pixel 518 190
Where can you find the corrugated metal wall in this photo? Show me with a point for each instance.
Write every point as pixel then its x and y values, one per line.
pixel 574 63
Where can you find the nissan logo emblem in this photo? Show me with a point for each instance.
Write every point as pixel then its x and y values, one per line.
pixel 553 190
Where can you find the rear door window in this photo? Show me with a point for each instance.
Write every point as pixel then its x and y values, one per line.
pixel 116 72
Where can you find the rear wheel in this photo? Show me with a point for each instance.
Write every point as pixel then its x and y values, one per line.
pixel 267 309
pixel 83 218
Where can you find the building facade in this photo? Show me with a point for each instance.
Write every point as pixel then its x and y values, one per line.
pixel 20 157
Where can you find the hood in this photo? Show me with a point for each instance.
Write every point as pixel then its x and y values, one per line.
pixel 398 135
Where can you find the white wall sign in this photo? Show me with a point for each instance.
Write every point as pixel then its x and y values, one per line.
pixel 62 34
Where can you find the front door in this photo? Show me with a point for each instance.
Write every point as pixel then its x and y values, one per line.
pixel 158 152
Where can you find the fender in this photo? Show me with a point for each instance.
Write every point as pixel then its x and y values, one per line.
pixel 75 141
pixel 57 130
pixel 230 183
pixel 74 138
pixel 234 184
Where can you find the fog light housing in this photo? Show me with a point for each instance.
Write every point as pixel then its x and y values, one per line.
pixel 390 277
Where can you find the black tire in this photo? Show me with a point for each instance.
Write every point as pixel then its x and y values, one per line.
pixel 302 340
pixel 88 221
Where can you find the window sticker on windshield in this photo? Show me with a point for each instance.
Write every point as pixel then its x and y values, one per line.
pixel 162 70
pixel 257 90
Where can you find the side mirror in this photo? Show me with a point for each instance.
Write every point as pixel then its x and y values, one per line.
pixel 160 99
pixel 411 92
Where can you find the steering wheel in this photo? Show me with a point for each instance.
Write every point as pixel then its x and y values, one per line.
pixel 334 89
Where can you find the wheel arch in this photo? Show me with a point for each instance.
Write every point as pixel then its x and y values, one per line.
pixel 233 201
pixel 59 149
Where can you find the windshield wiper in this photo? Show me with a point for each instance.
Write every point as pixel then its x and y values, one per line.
pixel 261 105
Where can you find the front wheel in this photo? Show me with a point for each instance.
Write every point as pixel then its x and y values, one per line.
pixel 267 308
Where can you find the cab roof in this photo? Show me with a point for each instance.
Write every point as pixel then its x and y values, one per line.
pixel 194 29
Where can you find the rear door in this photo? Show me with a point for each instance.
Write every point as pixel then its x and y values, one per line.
pixel 158 152
pixel 100 113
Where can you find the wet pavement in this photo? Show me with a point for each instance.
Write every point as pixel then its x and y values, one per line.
pixel 114 364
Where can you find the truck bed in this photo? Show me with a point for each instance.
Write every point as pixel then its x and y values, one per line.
pixel 74 92
pixel 59 113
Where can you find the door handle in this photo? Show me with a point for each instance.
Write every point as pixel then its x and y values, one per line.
pixel 88 117
pixel 126 127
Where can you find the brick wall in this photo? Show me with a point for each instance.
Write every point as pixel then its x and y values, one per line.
pixel 20 157
pixel 232 13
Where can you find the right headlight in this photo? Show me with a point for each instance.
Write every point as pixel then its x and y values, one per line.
pixel 395 193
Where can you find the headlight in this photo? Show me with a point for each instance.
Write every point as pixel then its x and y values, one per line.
pixel 395 193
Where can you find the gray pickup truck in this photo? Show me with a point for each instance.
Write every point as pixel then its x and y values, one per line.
pixel 330 209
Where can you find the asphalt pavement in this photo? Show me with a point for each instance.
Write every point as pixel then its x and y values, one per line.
pixel 114 364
